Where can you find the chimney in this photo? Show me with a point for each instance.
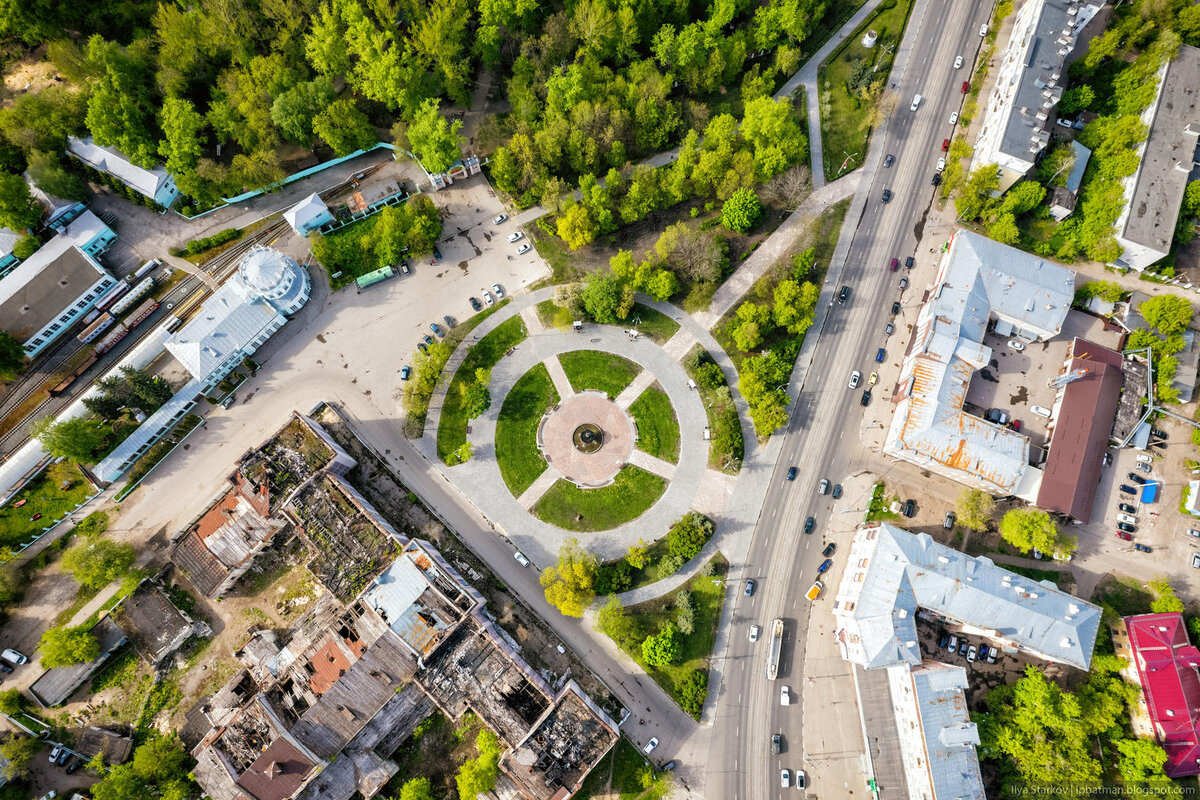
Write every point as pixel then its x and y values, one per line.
pixel 273 770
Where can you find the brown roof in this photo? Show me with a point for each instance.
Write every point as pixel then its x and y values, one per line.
pixel 220 512
pixel 202 567
pixel 1081 432
pixel 277 774
pixel 329 665
pixel 44 295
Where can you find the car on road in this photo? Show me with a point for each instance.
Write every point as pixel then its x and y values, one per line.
pixel 971 654
pixel 953 117
pixel 941 164
pixel 749 591
pixel 895 264
pixel 801 779
pixel 966 86
pixel 895 307
pixel 1195 560
pixel 855 378
pixel 515 237
pixel 405 371
pixel 937 178
pixel 814 591
pixel 437 329
pixel 650 745
pixel 776 743
pixel 1193 532
pixel 1016 344
pixel 824 567
pixel 1141 548
pixel 474 301
pixel 791 476
pixel 1127 518
pixel 15 656
pixel 829 549
pixel 1127 489
pixel 523 249
pixel 823 487
pixel 499 218
pixel 865 400
pixel 785 697
pixel 910 262
pixel 1145 467
pixel 1128 509
pixel 873 379
pixel 488 300
pixel 910 508
pixel 887 195
pixel 498 289
pixel 837 491
pixel 880 355
pixel 1133 476
pixel 754 631
pixel 958 62
pixel 983 29
pixel 1123 535
pixel 785 778
pixel 1145 458
pixel 843 295
pixel 888 160
pixel 809 524
pixel 1125 526
pixel 904 283
pixel 948 522
pixel 521 559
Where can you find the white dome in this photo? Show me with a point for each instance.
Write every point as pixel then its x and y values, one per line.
pixel 263 269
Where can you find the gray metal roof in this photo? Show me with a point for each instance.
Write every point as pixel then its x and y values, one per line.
pixel 229 321
pixel 115 163
pixel 1170 152
pixel 950 736
pixel 1078 166
pixel 903 572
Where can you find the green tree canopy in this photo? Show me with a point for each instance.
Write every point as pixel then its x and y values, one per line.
pixel 62 647
pixel 569 584
pixel 47 171
pixel 975 508
pixel 663 648
pixel 12 702
pixel 416 789
pixel 95 563
pixel 1165 600
pixel 688 535
pixel 1029 528
pixel 1169 313
pixel 78 439
pixel 773 130
pixel 478 775
pixel 18 209
pixel 159 769
pixel 606 298
pixel 12 355
pixel 294 110
pixel 1075 99
pixel 741 211
pixel 436 142
pixel 121 105
pixel 19 750
pixel 344 128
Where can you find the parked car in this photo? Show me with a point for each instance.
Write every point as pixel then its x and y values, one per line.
pixel 880 355
pixel 498 289
pixel 1064 122
pixel 1016 344
pixel 904 283
pixel 855 378
pixel 958 62
pixel 814 591
pixel 1133 476
pixel 428 340
pixel 437 329
pixel 669 766
pixel 888 160
pixel 953 646
pixel 937 178
pixel 1145 467
pixel 1158 433
pixel 971 654
pixel 954 117
pixel 1193 532
pixel 1128 509
pixel 801 780
pixel 749 591
pixel 488 300
pixel 945 145
pixel 499 218
pixel 963 647
pixel 873 379
pixel 515 237
pixel 525 248
pixel 983 29
pixel 63 756
pixel 910 508
pixel 437 253
pixel 829 549
pixel 983 651
pixel 966 86
pixel 866 398
pixel 650 745
pixel 1195 560
pixel 15 656
pixel 823 487
pixel 887 195
pixel 824 567
pixel 895 307
pixel 521 559
pixel 837 488
pixel 1127 518
pixel 1125 536
pixel 75 764
pixel 1141 548
pixel 55 752
pixel 809 524
pixel 1125 526
pixel 991 656
pixel 474 301
pixel 1127 489
pixel 754 630
pixel 895 264
pixel 943 639
pixel 405 371
pixel 6 668
pixel 889 328
pixel 948 522
pixel 791 475
pixel 1145 458
pixel 1108 459
pixel 910 262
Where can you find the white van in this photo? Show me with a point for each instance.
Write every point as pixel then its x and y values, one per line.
pixel 916 102
pixel 1041 412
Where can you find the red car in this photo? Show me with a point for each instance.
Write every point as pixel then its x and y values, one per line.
pixel 1123 535
pixel 895 264
pixel 945 145
pixel 966 87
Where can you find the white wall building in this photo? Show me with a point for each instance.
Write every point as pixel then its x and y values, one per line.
pixel 154 183
pixel 1029 82
pixel 1154 194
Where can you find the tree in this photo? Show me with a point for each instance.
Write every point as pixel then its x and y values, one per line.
pixel 638 555
pixel 62 647
pixel 1142 762
pixel 19 751
pixel 121 104
pixel 1165 600
pixel 12 355
pixel 603 297
pixel 613 622
pixel 795 305
pixel 741 211
pixel 416 789
pixel 662 649
pixel 975 508
pixel 94 563
pixel 1029 528
pixel 568 585
pixel 753 323
pixel 12 702
pixel 685 613
pixel 18 209
pixel 294 110
pixel 773 130
pixel 344 128
pixel 1168 313
pixel 576 226
pixel 476 399
pixel 689 534
pixel 1076 99
pixel 435 142
pixel 77 439
pixel 159 769
pixel 182 145
pixel 693 690
pixel 46 170
pixel 662 285
pixel 478 775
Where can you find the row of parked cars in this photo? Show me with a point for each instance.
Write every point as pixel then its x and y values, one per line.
pixel 954 643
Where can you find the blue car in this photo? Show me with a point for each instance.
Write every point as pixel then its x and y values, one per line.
pixel 405 372
pixel 437 329
pixel 825 565
pixel 880 355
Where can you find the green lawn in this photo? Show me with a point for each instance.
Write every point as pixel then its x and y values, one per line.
pixel 624 765
pixel 516 429
pixel 46 496
pixel 452 427
pixel 605 372
pixel 658 429
pixel 626 498
pixel 843 132
pixel 552 315
pixel 658 326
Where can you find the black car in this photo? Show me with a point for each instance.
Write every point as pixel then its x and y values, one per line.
pixel 843 295
pixel 1127 489
pixel 910 262
pixel 1128 509
pixel 1125 526
pixel 943 640
pixel 776 743
pixel 5 668
pixel 437 254
pixel 948 522
pixel 1133 476
pixel 866 398
pixel 888 159
pixel 937 179
pixel 896 307
pixel 887 195
pixel 829 548
pixel 1156 432
pixel 809 524
pixel 475 304
pixel 1141 548
pixel 1108 459
pixel 837 491
pixel 75 764
pixel 910 508
pixel 791 474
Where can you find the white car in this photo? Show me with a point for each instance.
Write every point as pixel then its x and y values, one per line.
pixel 515 237
pixel 1145 458
pixel 855 377
pixel 487 297
pixel 1014 344
pixel 499 292
pixel 1193 532
pixel 523 249
pixel 55 752
pixel 785 779
pixel 941 165
pixel 953 117
pixel 785 697
pixel 1195 560
pixel 521 559
pixel 1127 519
pixel 15 656
pixel 500 218
pixel 983 29
pixel 1040 411
pixel 754 631
pixel 958 62
pixel 650 745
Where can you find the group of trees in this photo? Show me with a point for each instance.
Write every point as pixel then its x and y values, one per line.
pixel 478 775
pixel 569 585
pixel 411 228
pixel 160 768
pixel 131 389
pixel 1030 528
pixel 1168 315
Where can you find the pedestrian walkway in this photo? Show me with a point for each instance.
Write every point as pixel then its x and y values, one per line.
pixel 641 382
pixel 533 323
pixel 642 459
pixel 561 384
pixel 530 496
pixel 679 345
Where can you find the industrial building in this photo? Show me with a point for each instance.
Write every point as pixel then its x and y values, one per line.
pixel 43 296
pixel 980 283
pixel 155 183
pixel 1029 82
pixel 1154 194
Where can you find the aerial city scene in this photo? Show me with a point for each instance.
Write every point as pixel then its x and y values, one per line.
pixel 599 399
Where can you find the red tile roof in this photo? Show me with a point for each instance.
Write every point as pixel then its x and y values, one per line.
pixel 220 512
pixel 1167 669
pixel 277 774
pixel 329 665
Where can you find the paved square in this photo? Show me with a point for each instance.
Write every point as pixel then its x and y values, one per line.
pixel 555 438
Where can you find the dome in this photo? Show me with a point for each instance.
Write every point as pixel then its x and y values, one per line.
pixel 275 278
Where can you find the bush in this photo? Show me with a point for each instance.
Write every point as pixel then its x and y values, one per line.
pixel 741 211
pixel 209 242
pixel 692 692
pixel 687 537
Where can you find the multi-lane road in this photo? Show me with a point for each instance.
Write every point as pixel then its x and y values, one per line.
pixel 822 438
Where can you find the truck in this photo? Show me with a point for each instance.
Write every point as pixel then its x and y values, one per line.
pixel 814 591
pixel 776 649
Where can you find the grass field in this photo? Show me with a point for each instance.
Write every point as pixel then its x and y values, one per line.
pixel 844 132
pixel 618 777
pixel 626 498
pixel 605 372
pixel 452 427
pixel 658 326
pixel 516 429
pixel 552 315
pixel 658 429
pixel 723 422
pixel 46 499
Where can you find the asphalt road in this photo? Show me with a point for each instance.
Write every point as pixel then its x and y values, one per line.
pixel 822 437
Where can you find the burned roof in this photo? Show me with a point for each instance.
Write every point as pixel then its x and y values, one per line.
pixel 155 627
pixel 289 458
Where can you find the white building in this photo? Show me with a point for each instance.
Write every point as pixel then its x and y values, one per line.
pixel 1029 82
pixel 308 215
pixel 45 295
pixel 1154 194
pixel 234 322
pixel 154 183
pixel 978 280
